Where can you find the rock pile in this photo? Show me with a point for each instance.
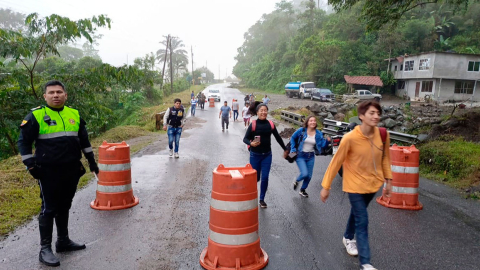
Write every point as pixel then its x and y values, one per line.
pixel 394 118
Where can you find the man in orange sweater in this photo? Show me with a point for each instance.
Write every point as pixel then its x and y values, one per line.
pixel 366 167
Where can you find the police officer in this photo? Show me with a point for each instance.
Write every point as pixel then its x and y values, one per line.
pixel 60 137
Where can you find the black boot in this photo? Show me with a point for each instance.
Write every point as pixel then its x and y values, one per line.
pixel 63 241
pixel 46 256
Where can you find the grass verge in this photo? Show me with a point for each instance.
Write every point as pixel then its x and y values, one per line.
pixel 453 161
pixel 19 192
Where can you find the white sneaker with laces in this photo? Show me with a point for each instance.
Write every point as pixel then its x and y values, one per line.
pixel 367 267
pixel 170 153
pixel 176 155
pixel 351 246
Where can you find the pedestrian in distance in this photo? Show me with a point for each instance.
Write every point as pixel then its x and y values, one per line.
pixel 202 101
pixel 173 118
pixel 225 114
pixel 265 100
pixel 246 115
pixel 252 99
pixel 258 137
pixel 247 99
pixel 365 156
pixel 307 142
pixel 235 108
pixel 192 95
pixel 193 104
pixel 60 137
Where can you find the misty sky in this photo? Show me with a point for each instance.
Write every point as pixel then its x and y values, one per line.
pixel 215 28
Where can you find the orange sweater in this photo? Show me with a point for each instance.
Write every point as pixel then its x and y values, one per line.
pixel 364 171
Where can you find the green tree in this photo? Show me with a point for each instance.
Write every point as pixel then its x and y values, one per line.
pixel 43 37
pixel 179 55
pixel 376 13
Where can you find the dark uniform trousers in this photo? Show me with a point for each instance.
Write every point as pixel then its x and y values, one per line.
pixel 58 184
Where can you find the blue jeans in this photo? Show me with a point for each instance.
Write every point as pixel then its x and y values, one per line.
pixel 174 134
pixel 235 115
pixel 193 109
pixel 261 162
pixel 358 224
pixel 305 162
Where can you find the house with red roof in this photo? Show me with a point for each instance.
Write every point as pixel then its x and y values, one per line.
pixel 372 83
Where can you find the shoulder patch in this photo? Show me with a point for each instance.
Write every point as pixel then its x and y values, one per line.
pixel 23 123
pixel 36 108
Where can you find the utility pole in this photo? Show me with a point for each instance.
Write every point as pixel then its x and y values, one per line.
pixel 165 61
pixel 171 67
pixel 193 79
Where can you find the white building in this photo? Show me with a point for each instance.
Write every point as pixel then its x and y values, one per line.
pixel 437 75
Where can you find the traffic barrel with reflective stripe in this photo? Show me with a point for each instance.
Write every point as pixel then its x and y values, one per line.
pixel 405 162
pixel 114 186
pixel 212 102
pixel 233 242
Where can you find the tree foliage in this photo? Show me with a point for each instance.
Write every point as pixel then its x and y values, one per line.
pixel 376 13
pixel 287 45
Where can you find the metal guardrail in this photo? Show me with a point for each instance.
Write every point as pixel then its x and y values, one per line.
pixel 330 128
pixel 292 117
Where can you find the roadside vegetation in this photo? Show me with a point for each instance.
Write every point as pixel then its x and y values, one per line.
pixel 19 192
pixel 118 103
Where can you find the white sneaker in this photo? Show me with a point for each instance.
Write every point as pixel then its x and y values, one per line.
pixel 170 153
pixel 176 155
pixel 351 246
pixel 367 267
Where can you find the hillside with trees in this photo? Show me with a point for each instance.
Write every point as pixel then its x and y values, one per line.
pixel 311 45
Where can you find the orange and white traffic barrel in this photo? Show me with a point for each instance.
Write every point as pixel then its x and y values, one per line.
pixel 405 162
pixel 212 102
pixel 233 241
pixel 114 186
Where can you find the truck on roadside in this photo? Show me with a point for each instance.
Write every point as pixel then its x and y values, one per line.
pixel 299 89
pixel 363 95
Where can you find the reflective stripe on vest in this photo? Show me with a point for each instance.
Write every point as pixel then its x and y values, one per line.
pixel 67 123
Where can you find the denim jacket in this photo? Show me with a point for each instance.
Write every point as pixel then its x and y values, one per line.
pixel 319 140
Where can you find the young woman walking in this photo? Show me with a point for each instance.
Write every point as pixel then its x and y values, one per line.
pixel 366 167
pixel 259 139
pixel 307 141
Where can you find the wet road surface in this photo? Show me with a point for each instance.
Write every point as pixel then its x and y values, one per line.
pixel 169 228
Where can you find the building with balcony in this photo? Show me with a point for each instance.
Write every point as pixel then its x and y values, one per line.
pixel 439 76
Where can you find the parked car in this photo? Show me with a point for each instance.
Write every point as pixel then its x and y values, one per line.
pixel 214 93
pixel 363 95
pixel 322 94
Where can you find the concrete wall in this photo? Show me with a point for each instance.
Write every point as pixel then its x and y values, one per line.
pixel 442 65
pixel 442 90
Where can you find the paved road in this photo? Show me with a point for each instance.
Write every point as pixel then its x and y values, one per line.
pixel 169 228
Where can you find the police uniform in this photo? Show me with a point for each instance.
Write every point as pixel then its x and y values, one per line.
pixel 60 137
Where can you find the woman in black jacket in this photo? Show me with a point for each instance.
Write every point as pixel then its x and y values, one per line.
pixel 258 137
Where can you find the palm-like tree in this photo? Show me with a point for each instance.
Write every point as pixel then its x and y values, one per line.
pixel 179 55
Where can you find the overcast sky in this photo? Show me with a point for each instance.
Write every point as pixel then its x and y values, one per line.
pixel 214 28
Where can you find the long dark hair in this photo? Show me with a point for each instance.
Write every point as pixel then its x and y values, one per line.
pixel 305 124
pixel 253 108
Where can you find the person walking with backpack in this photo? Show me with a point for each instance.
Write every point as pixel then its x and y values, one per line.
pixel 365 156
pixel 307 142
pixel 173 118
pixel 258 137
